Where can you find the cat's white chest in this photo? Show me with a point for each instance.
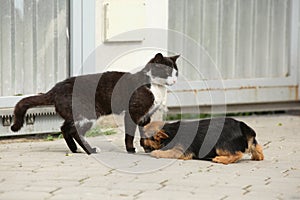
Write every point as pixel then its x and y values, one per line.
pixel 160 96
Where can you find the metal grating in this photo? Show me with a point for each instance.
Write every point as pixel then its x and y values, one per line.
pixel 37 121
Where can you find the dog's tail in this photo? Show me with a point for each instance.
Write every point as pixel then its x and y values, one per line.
pixel 29 102
pixel 255 149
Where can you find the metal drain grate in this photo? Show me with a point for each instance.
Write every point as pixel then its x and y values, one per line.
pixel 37 120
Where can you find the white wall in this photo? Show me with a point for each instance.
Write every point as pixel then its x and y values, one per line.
pixel 156 17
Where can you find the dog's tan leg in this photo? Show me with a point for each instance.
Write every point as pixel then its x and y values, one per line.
pixel 257 152
pixel 226 157
pixel 175 153
pixel 187 156
pixel 171 153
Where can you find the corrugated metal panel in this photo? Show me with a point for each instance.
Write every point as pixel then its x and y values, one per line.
pixel 245 38
pixel 34 55
pixel 34 48
pixel 248 53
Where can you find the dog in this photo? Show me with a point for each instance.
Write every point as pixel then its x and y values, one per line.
pixel 221 140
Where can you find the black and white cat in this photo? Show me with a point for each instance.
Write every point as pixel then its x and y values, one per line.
pixel 81 100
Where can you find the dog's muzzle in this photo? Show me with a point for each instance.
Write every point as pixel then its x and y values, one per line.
pixel 147 149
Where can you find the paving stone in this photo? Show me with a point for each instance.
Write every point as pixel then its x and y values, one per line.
pixel 47 170
pixel 26 195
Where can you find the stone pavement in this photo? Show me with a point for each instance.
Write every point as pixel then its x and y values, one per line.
pixel 45 170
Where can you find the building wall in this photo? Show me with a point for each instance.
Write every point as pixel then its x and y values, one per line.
pixel 155 17
pixel 235 52
pixel 245 39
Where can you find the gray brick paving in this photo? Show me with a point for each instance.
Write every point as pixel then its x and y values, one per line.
pixel 46 170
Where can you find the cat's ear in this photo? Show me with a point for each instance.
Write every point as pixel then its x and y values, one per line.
pixel 158 58
pixel 174 58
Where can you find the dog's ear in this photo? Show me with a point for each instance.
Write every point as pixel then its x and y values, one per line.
pixel 153 127
pixel 160 135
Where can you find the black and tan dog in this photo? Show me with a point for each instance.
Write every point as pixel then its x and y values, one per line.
pixel 222 140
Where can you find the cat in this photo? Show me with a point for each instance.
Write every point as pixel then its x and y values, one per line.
pixel 83 99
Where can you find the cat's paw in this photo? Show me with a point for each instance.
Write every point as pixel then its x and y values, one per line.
pixel 144 121
pixel 130 150
pixel 96 150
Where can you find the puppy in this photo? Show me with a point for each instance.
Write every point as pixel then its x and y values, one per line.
pixel 222 140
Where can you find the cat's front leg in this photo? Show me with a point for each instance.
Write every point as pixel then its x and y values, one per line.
pixel 66 131
pixel 130 128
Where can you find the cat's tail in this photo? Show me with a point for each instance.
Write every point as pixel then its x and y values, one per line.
pixel 29 102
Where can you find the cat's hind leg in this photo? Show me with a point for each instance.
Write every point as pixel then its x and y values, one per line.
pixel 66 129
pixel 78 133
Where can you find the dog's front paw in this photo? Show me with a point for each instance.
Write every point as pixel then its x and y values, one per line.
pixel 156 153
pixel 220 159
